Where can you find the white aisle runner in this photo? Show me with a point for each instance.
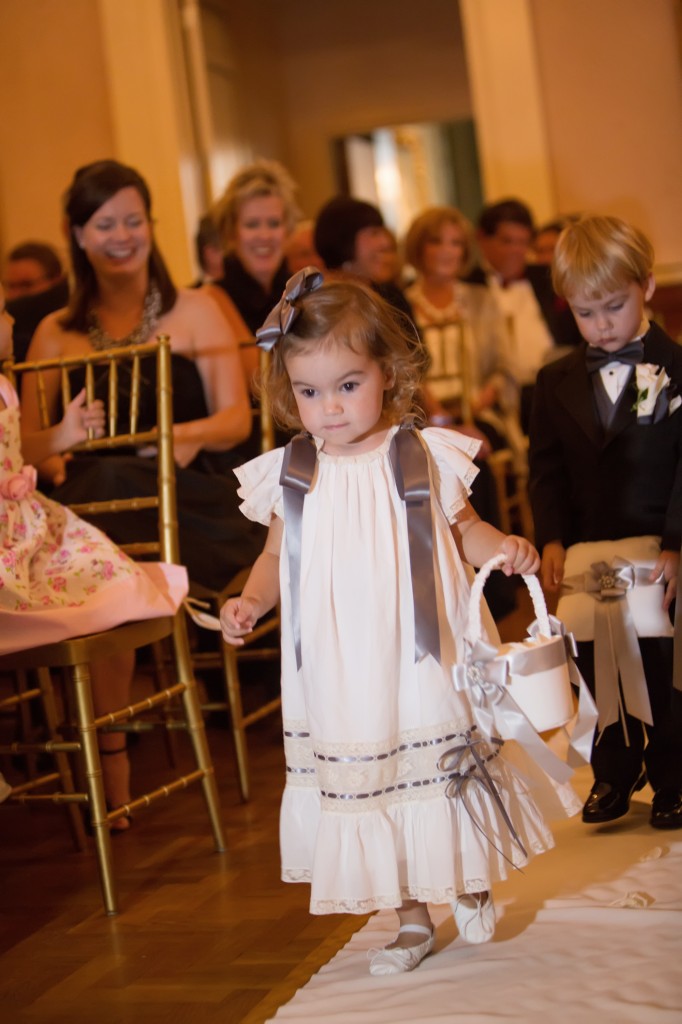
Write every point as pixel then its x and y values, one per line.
pixel 591 932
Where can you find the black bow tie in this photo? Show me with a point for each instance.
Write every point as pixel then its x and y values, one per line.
pixel 631 353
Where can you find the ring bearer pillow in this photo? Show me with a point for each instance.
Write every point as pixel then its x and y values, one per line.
pixel 613 570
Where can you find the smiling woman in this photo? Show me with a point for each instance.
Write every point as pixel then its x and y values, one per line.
pixel 124 295
pixel 255 215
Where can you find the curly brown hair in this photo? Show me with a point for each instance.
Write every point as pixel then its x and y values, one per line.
pixel 351 314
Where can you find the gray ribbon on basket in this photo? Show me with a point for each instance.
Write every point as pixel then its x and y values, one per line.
pixel 450 762
pixel 582 736
pixel 281 318
pixel 410 465
pixel 485 676
pixel 616 648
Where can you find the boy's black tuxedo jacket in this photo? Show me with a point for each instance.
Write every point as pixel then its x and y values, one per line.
pixel 588 485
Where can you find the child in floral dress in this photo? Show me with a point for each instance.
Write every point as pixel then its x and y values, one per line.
pixel 60 576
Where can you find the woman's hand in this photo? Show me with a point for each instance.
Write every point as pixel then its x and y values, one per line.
pixel 238 616
pixel 520 554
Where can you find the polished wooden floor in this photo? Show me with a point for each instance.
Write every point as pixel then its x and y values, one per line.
pixel 202 937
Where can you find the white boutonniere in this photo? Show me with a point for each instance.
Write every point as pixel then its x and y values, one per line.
pixel 655 394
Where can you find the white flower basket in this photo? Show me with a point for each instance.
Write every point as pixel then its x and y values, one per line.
pixel 538 677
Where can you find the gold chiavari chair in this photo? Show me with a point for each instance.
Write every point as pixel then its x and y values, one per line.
pixel 227 659
pixel 74 656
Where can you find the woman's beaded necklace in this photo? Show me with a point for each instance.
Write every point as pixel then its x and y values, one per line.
pixel 435 314
pixel 100 340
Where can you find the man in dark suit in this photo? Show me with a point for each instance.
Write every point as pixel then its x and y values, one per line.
pixel 606 464
pixel 540 323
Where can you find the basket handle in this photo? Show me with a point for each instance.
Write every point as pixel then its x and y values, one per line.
pixel 534 589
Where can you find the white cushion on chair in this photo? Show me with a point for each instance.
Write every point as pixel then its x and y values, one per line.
pixel 645 603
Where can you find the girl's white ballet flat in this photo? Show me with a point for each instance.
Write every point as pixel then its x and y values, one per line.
pixel 398 960
pixel 474 915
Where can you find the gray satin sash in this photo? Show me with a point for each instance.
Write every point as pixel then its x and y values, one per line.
pixel 298 470
pixel 411 470
pixel 616 647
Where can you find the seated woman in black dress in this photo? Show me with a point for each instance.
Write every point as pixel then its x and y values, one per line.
pixel 124 295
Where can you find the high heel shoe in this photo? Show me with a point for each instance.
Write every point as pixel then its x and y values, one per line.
pixel 399 959
pixel 474 915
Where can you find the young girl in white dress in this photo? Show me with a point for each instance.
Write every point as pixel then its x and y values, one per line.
pixel 60 576
pixel 378 743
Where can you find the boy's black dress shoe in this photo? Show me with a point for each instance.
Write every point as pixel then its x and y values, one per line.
pixel 607 802
pixel 666 809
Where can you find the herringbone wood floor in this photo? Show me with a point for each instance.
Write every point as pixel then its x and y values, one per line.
pixel 201 938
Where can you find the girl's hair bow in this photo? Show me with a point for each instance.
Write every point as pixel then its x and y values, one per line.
pixel 284 314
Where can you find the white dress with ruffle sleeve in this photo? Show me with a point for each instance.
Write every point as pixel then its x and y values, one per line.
pixel 365 816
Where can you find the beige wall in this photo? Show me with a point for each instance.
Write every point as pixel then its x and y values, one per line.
pixel 55 110
pixel 610 72
pixel 354 65
pixel 83 79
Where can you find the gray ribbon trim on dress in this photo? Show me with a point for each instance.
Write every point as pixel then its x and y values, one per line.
pixel 484 676
pixel 411 469
pixel 450 762
pixel 616 648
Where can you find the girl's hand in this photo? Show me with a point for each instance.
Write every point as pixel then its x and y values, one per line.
pixel 79 418
pixel 667 565
pixel 238 616
pixel 520 554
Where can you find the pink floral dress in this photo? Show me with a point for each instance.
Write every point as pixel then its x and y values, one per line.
pixel 59 575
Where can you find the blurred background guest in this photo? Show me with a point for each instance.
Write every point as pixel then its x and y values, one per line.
pixel 540 324
pixel 209 251
pixel 299 248
pixel 352 239
pixel 35 284
pixel 255 215
pixel 462 328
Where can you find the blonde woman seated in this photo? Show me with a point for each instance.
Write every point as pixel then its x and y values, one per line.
pixel 466 339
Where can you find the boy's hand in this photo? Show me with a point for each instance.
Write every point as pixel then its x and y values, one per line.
pixel 667 565
pixel 238 616
pixel 552 571
pixel 520 554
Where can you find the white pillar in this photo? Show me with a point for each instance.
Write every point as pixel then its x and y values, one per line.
pixel 507 101
pixel 145 65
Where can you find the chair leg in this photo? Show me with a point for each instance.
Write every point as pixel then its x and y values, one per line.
pixel 87 735
pixel 61 760
pixel 195 725
pixel 26 723
pixel 234 700
pixel 162 682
